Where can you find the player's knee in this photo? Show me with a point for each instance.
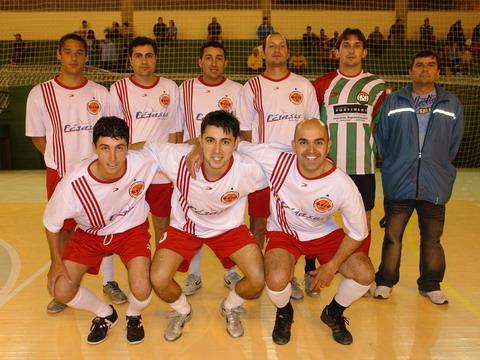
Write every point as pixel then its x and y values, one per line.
pixel 65 291
pixel 364 272
pixel 276 280
pixel 141 289
pixel 159 280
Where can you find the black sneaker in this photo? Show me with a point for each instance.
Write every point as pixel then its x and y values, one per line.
pixel 283 323
pixel 337 324
pixel 135 332
pixel 100 326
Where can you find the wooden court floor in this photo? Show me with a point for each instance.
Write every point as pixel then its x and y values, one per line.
pixel 407 326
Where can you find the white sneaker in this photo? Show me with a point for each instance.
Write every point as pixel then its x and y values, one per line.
pixel 232 317
pixel 382 292
pixel 192 284
pixel 230 279
pixel 175 326
pixel 437 297
pixel 297 293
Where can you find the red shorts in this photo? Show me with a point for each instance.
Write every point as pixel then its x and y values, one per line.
pixel 87 249
pixel 159 197
pixel 259 203
pixel 52 181
pixel 223 245
pixel 323 248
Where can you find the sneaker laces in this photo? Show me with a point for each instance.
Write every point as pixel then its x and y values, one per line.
pixel 233 315
pixel 176 320
pixel 134 322
pixel 341 321
pixel 191 280
pixel 114 288
pixel 283 321
pixel 98 323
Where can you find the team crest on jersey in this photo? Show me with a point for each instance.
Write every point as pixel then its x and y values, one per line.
pixel 296 97
pixel 362 97
pixel 230 196
pixel 225 103
pixel 136 188
pixel 94 107
pixel 322 204
pixel 164 100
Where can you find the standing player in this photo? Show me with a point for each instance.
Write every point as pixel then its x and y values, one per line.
pixel 209 210
pixel 60 116
pixel 306 190
pixel 148 103
pixel 271 104
pixel 198 96
pixel 350 101
pixel 107 200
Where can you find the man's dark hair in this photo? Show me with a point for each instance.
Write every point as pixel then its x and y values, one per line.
pixel 214 44
pixel 351 32
pixel 112 127
pixel 72 36
pixel 424 53
pixel 222 119
pixel 141 41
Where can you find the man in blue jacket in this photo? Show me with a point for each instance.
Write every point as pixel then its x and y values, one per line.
pixel 418 136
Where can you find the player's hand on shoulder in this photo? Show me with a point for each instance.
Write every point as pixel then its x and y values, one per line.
pixel 194 160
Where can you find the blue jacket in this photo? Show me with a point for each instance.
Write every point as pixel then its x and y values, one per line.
pixel 409 172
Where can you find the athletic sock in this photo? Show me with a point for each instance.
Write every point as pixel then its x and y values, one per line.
pixel 196 262
pixel 84 299
pixel 233 300
pixel 349 291
pixel 287 309
pixel 335 309
pixel 136 306
pixel 280 298
pixel 107 269
pixel 309 264
pixel 181 305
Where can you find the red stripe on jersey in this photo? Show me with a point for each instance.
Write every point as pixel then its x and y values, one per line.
pixel 322 84
pixel 183 185
pixel 256 88
pixel 89 204
pixel 56 120
pixel 277 178
pixel 188 108
pixel 122 92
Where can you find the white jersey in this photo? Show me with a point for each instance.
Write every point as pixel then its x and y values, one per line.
pixel 304 207
pixel 65 116
pixel 202 207
pixel 197 99
pixel 272 108
pixel 99 207
pixel 150 112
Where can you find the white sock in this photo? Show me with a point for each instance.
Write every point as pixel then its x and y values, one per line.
pixel 136 306
pixel 107 269
pixel 280 298
pixel 181 305
pixel 233 300
pixel 349 291
pixel 84 299
pixel 195 263
pixel 229 271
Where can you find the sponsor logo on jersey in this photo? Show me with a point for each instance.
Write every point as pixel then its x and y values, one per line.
pixel 77 127
pixel 225 103
pixel 230 196
pixel 322 204
pixel 296 97
pixel 278 117
pixel 164 100
pixel 149 115
pixel 362 97
pixel 136 188
pixel 94 107
pixel 350 109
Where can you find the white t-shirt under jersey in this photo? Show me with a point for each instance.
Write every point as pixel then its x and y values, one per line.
pixel 150 112
pixel 65 116
pixel 304 207
pixel 197 99
pixel 272 108
pixel 202 207
pixel 99 207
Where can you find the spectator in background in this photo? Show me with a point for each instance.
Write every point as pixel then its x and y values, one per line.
pixel 264 29
pixel 456 34
pixel 450 58
pixel 82 31
pixel 115 33
pixel 108 53
pixel 332 41
pixel 214 30
pixel 92 47
pixel 322 40
pixel 18 49
pixel 376 41
pixel 171 33
pixel 475 48
pixel 255 61
pixel 310 41
pixel 160 31
pixel 396 36
pixel 126 31
pixel 427 38
pixel 298 62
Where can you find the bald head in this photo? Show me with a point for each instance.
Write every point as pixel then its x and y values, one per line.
pixel 311 124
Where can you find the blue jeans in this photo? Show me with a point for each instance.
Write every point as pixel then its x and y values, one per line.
pixel 431 219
